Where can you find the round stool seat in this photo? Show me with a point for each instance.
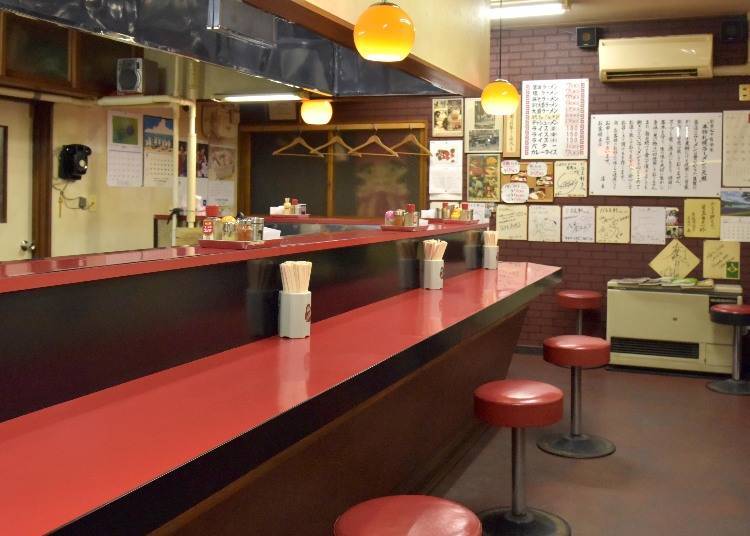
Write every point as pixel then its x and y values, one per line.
pixel 579 299
pixel 576 351
pixel 408 515
pixel 518 403
pixel 731 314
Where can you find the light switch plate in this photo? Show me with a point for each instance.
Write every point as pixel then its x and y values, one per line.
pixel 745 92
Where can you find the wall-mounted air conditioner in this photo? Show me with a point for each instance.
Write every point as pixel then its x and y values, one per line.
pixel 672 57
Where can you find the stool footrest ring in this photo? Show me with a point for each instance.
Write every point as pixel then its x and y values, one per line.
pixel 502 521
pixel 576 446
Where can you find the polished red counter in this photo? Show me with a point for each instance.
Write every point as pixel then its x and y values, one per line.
pixel 26 275
pixel 62 462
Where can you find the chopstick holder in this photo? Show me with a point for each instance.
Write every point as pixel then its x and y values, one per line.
pixel 433 274
pixel 489 257
pixel 295 312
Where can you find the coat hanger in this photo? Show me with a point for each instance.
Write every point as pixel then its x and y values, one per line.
pixel 338 140
pixel 411 138
pixel 374 139
pixel 299 140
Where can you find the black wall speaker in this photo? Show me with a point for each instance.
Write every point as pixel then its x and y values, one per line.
pixel 587 37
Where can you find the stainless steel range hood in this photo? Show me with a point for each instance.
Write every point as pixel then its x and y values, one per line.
pixel 276 49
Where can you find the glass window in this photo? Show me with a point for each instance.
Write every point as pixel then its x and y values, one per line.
pixel 36 50
pixel 98 62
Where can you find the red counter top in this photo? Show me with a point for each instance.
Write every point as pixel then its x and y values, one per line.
pixel 26 275
pixel 67 460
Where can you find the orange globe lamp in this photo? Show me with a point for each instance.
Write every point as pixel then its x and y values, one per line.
pixel 500 98
pixel 384 32
pixel 316 112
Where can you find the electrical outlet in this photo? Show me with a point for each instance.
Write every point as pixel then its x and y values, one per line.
pixel 82 203
pixel 745 92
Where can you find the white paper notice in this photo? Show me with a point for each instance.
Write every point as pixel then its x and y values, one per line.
pixel 647 225
pixel 512 222
pixel 536 169
pixel 124 150
pixel 737 148
pixel 510 167
pixel 515 192
pixel 555 119
pixel 734 228
pixel 446 169
pixel 201 189
pixel 578 223
pixel 221 193
pixel 544 223
pixel 571 178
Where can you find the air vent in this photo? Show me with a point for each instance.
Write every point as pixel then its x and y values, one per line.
pixel 644 347
pixel 670 74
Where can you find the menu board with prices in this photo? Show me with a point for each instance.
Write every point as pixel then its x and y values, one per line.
pixel 667 155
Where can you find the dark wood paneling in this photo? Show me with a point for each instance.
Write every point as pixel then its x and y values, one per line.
pixel 41 195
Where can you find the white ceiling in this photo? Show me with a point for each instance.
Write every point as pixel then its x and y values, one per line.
pixel 603 11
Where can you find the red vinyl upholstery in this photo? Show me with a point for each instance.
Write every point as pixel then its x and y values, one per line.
pixel 579 299
pixel 576 351
pixel 518 403
pixel 732 314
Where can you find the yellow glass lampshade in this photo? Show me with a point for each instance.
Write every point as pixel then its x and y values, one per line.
pixel 500 98
pixel 384 32
pixel 316 112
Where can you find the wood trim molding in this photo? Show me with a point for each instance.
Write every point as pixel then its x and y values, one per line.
pixel 340 31
pixel 244 202
pixel 41 191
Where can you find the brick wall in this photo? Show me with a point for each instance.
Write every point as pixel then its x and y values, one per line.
pixel 552 53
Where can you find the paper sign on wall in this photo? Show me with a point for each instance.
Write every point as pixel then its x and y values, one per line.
pixel 510 167
pixel 735 215
pixel 512 134
pixel 736 159
pixel 511 222
pixel 613 225
pixel 515 192
pixel 721 260
pixel 446 169
pixel 702 218
pixel 647 225
pixel 578 223
pixel 571 178
pixel 544 223
pixel 675 260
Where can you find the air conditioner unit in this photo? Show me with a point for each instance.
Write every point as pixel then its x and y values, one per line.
pixel 672 57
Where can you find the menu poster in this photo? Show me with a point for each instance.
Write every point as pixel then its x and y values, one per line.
pixel 571 178
pixel 735 215
pixel 158 164
pixel 448 118
pixel 647 225
pixel 613 225
pixel 721 260
pixel 512 135
pixel 538 178
pixel 483 131
pixel 736 159
pixel 124 150
pixel 702 218
pixel 675 260
pixel 446 170
pixel 483 177
pixel 664 155
pixel 544 223
pixel 511 222
pixel 578 223
pixel 555 119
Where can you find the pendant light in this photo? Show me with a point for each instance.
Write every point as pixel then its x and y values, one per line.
pixel 316 111
pixel 500 97
pixel 384 32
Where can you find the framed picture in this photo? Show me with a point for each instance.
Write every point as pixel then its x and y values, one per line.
pixel 3 173
pixel 537 176
pixel 448 118
pixel 483 178
pixel 483 131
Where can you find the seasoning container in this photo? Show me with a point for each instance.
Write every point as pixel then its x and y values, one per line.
pixel 445 212
pixel 411 218
pixel 390 218
pixel 256 229
pixel 295 206
pixel 208 228
pixel 467 214
pixel 244 230
pixel 302 208
pixel 287 206
pixel 456 212
pixel 399 217
pixel 228 228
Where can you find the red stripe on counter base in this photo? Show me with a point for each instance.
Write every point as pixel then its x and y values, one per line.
pixel 62 462
pixel 26 275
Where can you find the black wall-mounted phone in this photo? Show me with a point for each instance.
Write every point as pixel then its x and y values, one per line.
pixel 74 161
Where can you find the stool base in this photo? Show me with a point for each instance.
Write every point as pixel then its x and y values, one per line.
pixel 502 522
pixel 730 387
pixel 579 446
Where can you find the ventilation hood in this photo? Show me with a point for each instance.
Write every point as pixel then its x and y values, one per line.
pixel 274 49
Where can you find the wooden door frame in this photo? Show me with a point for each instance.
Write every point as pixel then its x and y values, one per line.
pixel 41 178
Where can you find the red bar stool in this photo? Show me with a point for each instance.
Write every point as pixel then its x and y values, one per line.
pixel 408 515
pixel 737 316
pixel 577 352
pixel 579 300
pixel 519 404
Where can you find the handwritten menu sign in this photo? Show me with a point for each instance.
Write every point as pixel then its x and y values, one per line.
pixel 511 222
pixel 555 119
pixel 514 192
pixel 578 223
pixel 613 225
pixel 544 223
pixel 702 218
pixel 675 260
pixel 647 225
pixel 721 260
pixel 737 148
pixel 672 155
pixel 512 134
pixel 536 176
pixel 571 178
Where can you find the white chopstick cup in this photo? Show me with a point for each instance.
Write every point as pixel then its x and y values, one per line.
pixel 295 312
pixel 433 274
pixel 489 257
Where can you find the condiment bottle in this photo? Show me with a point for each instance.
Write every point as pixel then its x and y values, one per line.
pixel 456 213
pixel 390 218
pixel 465 212
pixel 287 206
pixel 398 217
pixel 445 213
pixel 411 219
pixel 295 206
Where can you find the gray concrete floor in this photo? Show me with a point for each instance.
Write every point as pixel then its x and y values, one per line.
pixel 682 465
